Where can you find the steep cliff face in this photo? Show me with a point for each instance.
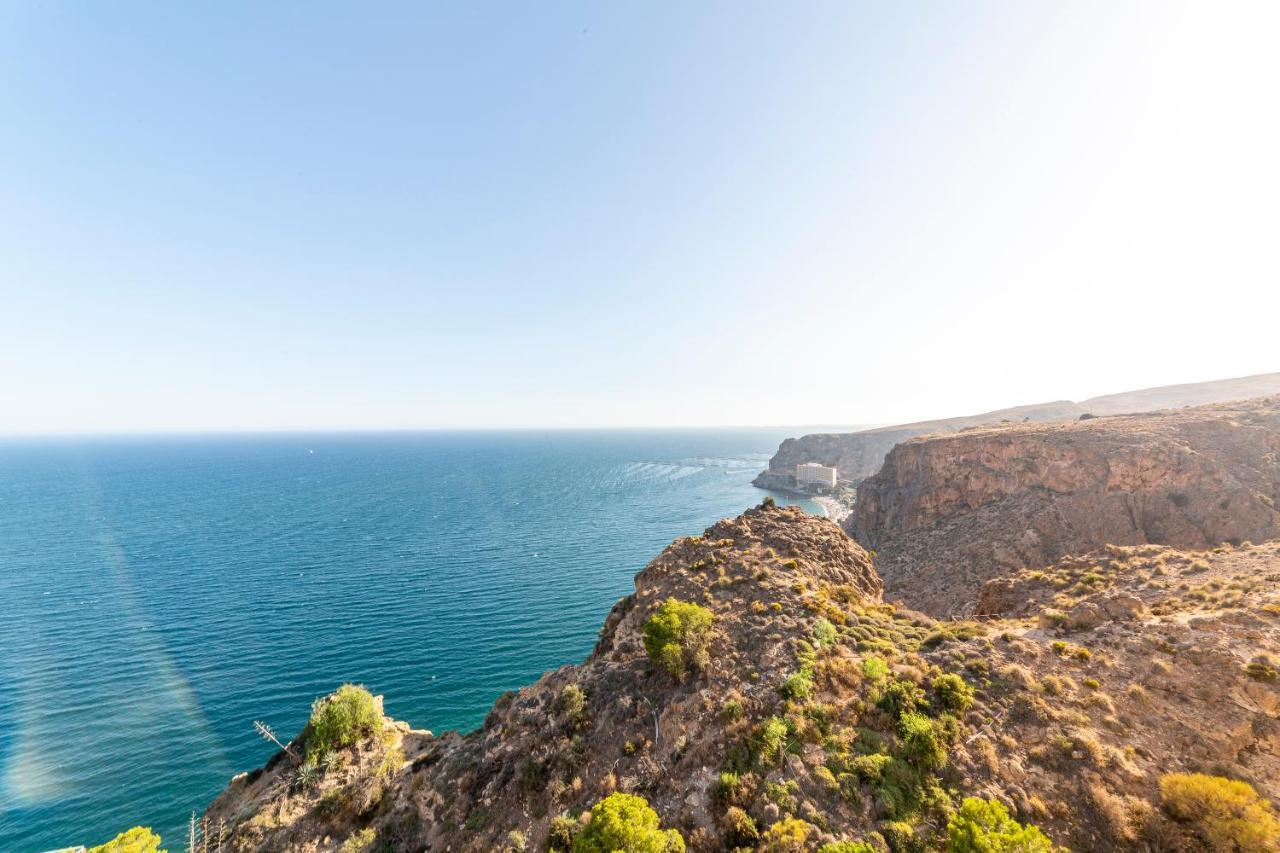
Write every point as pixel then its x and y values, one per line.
pixel 949 512
pixel 858 455
pixel 819 713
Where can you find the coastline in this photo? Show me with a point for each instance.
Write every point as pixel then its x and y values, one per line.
pixel 832 508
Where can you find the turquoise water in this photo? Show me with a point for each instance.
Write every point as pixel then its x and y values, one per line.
pixel 159 595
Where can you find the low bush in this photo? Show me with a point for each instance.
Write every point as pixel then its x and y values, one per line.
pixel 824 633
pixel 899 697
pixel 952 692
pixel 571 703
pixel 340 719
pixel 560 834
pixel 848 847
pixel 1222 814
pixel 360 841
pixel 1262 668
pixel 984 826
pixel 874 669
pixel 140 839
pixel 625 822
pixel 770 740
pixel 729 787
pixel 900 789
pixel 798 686
pixel 900 836
pixel 869 768
pixel 678 636
pixel 921 741
pixel 789 835
pixel 740 829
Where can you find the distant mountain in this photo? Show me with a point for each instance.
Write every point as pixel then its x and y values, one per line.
pixel 858 455
pixel 1192 394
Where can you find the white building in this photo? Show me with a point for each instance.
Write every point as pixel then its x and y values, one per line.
pixel 810 474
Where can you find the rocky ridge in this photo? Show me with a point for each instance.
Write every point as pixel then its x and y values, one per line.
pixel 805 720
pixel 858 455
pixel 947 513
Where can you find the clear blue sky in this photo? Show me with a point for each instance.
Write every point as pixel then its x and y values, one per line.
pixel 260 216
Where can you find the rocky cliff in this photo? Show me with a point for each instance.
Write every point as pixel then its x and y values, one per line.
pixel 810 713
pixel 946 513
pixel 858 455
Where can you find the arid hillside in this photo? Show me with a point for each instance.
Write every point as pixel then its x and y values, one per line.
pixel 858 455
pixel 755 693
pixel 947 513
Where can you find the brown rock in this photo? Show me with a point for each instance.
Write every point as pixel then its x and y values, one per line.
pixel 946 513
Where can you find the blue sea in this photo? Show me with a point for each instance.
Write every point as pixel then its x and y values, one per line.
pixel 158 595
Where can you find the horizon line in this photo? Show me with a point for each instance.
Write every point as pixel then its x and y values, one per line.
pixel 287 431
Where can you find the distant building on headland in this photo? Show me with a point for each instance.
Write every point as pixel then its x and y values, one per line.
pixel 810 476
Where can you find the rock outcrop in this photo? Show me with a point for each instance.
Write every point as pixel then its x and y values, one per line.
pixel 820 713
pixel 858 455
pixel 947 513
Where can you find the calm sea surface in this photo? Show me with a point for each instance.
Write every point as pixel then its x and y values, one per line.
pixel 158 595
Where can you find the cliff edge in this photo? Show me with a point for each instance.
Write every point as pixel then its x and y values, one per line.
pixel 755 693
pixel 858 455
pixel 947 513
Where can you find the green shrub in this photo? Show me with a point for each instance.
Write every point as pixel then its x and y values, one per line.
pixel 560 834
pixel 1261 669
pixel 140 839
pixel 798 686
pixel 728 787
pixel 869 768
pixel 624 822
pixel 347 715
pixel 921 741
pixel 868 741
pixel 847 847
pixel 984 826
pixel 783 795
pixel 899 697
pixel 677 636
pixel 824 633
pixel 952 692
pixel 740 829
pixel 900 836
pixel 731 710
pixel 1223 814
pixel 771 739
pixel 874 669
pixel 899 790
pixel 571 703
pixel 359 841
pixel 789 835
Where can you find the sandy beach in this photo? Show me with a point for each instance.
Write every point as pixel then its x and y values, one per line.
pixel 832 508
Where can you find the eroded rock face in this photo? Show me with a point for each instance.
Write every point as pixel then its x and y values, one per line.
pixel 947 513
pixel 858 455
